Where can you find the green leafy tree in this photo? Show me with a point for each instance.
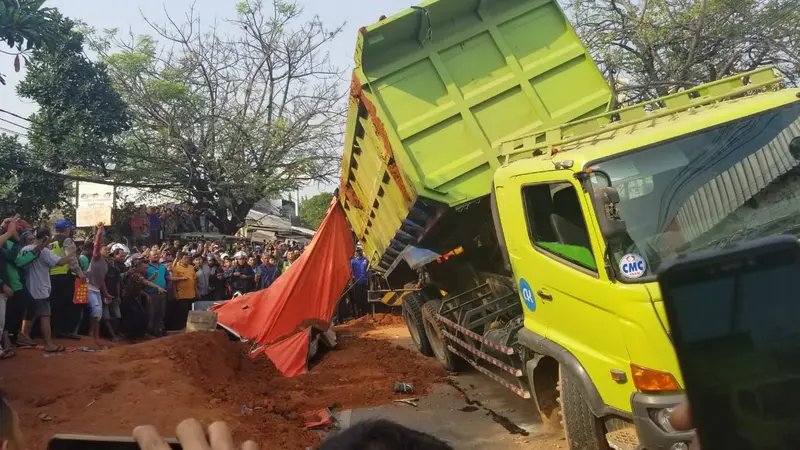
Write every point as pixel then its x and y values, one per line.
pixel 30 194
pixel 655 47
pixel 80 113
pixel 313 210
pixel 228 119
pixel 24 26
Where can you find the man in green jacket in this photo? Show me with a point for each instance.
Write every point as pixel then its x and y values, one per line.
pixel 18 298
pixel 12 304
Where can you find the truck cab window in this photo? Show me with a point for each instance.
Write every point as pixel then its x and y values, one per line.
pixel 556 224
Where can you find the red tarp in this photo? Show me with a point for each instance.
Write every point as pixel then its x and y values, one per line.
pixel 279 319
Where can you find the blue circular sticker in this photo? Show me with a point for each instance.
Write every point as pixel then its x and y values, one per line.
pixel 632 266
pixel 527 294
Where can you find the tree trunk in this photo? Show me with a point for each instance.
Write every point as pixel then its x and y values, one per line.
pixel 232 225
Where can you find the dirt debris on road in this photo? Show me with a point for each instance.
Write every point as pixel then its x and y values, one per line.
pixel 206 376
pixel 378 320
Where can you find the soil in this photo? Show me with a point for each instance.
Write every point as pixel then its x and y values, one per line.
pixel 379 320
pixel 206 376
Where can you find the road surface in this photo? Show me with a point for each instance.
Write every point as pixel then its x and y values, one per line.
pixel 470 412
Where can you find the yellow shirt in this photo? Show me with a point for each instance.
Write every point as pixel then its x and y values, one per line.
pixel 186 289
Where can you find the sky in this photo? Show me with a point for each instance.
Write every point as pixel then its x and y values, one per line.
pixel 128 15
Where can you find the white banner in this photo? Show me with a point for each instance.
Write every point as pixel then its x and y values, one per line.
pixel 95 202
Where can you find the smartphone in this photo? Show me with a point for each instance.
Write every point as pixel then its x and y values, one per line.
pixel 734 315
pixel 93 442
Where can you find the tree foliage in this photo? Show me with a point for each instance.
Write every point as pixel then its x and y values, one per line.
pixel 660 46
pixel 29 194
pixel 26 25
pixel 228 119
pixel 80 113
pixel 313 210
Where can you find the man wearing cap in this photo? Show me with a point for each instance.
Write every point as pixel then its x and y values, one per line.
pixel 359 267
pixel 242 276
pixel 67 315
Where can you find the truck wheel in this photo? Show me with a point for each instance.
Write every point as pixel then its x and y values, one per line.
pixel 412 316
pixel 433 329
pixel 584 431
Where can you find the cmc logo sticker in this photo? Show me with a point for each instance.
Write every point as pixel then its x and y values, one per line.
pixel 632 266
pixel 527 294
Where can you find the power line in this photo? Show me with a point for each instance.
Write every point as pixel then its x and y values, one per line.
pixel 13 132
pixel 15 124
pixel 86 179
pixel 16 115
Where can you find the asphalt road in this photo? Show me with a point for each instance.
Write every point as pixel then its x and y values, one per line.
pixel 470 412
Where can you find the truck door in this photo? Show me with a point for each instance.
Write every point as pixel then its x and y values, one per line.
pixel 555 257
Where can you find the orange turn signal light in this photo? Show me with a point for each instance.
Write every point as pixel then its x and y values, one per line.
pixel 649 380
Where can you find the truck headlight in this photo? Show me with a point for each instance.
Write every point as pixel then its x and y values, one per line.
pixel 661 418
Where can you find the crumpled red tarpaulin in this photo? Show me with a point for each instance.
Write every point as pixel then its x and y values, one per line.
pixel 279 319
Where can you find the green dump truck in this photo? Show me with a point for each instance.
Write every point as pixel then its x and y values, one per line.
pixel 521 221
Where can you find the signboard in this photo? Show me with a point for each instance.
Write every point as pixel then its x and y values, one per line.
pixel 95 202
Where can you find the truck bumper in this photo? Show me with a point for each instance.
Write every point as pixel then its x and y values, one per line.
pixel 652 435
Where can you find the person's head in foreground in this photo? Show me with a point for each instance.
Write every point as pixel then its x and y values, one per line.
pixel 370 435
pixel 10 432
pixel 383 435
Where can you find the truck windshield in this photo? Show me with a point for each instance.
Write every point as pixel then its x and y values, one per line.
pixel 740 180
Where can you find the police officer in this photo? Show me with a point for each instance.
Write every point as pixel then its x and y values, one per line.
pixel 67 316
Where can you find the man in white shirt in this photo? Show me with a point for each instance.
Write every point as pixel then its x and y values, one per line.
pixel 37 280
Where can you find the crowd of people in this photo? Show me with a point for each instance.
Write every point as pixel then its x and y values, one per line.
pixel 148 226
pixel 69 288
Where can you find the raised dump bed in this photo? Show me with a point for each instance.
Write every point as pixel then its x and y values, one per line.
pixel 435 91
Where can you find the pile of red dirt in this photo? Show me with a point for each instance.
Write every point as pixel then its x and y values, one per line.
pixel 378 320
pixel 206 376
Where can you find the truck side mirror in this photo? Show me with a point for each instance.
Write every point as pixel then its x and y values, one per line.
pixel 605 200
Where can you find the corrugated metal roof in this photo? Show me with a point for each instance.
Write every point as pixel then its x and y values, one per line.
pixel 726 192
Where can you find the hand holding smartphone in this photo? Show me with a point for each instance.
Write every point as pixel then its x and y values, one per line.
pixel 92 442
pixel 734 315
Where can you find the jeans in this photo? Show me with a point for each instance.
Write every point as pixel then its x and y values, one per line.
pixel 95 304
pixel 155 313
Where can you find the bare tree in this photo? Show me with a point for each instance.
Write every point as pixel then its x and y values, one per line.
pixel 228 118
pixel 660 46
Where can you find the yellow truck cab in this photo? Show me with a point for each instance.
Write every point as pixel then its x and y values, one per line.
pixel 685 173
pixel 520 221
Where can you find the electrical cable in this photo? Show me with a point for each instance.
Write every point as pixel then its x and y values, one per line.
pixel 15 124
pixel 13 132
pixel 16 115
pixel 86 179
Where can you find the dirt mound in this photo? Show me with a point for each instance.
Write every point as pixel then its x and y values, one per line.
pixel 206 376
pixel 379 320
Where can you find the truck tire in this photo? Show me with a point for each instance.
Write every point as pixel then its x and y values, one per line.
pixel 412 316
pixel 583 430
pixel 448 359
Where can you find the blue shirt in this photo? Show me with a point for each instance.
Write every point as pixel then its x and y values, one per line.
pixel 268 275
pixel 160 280
pixel 358 267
